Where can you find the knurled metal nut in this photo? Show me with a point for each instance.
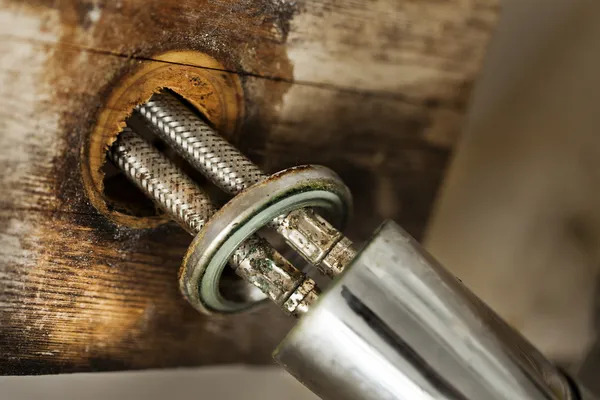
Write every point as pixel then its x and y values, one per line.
pixel 299 295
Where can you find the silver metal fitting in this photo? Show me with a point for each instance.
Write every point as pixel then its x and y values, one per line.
pixel 244 215
pixel 309 234
pixel 267 270
pixel 302 299
pixel 339 257
pixel 396 325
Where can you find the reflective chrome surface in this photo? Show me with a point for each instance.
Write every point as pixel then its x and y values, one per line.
pixel 396 325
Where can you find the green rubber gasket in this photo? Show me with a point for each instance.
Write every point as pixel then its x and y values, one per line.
pixel 244 215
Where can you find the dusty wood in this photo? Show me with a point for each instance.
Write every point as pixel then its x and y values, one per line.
pixel 376 90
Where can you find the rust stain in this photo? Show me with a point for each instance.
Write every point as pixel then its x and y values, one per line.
pixel 107 294
pixel 218 96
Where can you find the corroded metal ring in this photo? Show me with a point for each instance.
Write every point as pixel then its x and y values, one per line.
pixel 244 215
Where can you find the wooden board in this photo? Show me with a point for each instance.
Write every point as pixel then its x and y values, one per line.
pixel 375 90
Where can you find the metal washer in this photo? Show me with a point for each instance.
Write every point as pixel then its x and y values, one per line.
pixel 288 190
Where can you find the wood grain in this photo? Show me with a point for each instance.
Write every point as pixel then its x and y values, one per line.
pixel 375 90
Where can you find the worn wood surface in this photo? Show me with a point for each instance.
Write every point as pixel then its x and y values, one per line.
pixel 375 90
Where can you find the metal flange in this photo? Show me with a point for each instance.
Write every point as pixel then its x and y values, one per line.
pixel 252 209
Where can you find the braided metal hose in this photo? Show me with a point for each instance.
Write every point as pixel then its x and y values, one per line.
pixel 162 181
pixel 191 207
pixel 311 235
pixel 197 142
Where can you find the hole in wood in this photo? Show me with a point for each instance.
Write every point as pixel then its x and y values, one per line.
pixel 195 77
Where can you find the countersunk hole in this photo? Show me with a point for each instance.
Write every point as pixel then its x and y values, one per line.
pixel 218 96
